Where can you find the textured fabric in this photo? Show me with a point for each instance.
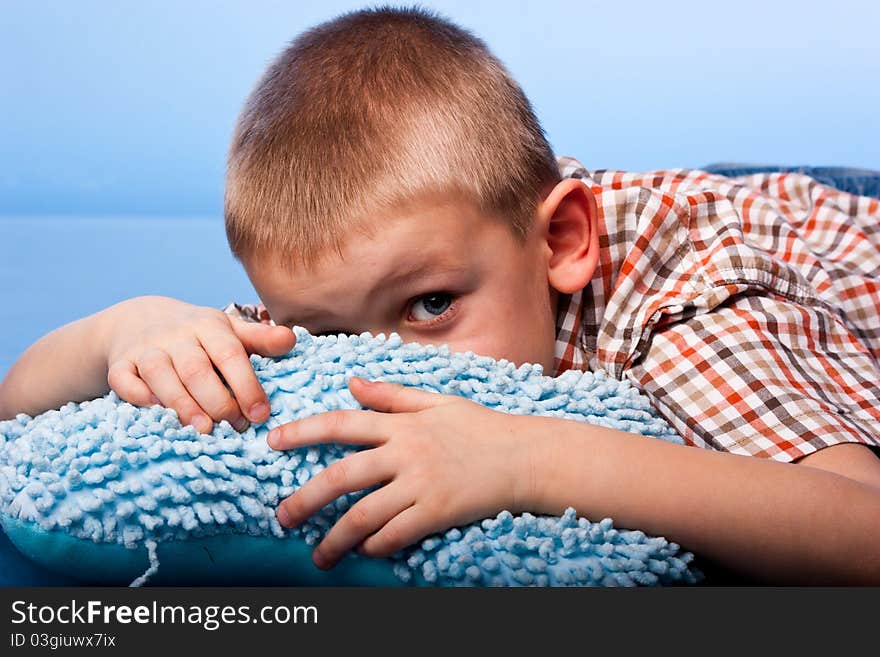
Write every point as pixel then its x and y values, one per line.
pixel 747 309
pixel 250 312
pixel 109 474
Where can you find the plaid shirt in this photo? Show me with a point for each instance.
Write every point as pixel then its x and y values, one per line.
pixel 747 309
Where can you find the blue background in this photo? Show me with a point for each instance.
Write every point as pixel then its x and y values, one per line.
pixel 115 119
pixel 127 107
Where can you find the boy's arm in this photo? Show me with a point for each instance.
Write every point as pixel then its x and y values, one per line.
pixel 192 359
pixel 67 364
pixel 851 460
pixel 780 522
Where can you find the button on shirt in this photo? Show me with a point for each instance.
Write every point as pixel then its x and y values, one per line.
pixel 747 309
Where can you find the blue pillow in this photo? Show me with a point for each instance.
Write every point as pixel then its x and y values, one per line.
pixel 111 493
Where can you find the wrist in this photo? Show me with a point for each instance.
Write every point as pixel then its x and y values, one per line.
pixel 567 465
pixel 104 324
pixel 540 455
pixel 522 450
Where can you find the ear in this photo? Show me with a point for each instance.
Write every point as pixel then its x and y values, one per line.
pixel 570 220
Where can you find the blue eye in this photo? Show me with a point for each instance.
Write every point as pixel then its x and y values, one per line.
pixel 431 305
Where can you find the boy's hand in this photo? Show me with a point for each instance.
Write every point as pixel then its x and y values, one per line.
pixel 444 460
pixel 161 350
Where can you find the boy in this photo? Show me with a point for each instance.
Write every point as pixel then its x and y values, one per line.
pixel 386 174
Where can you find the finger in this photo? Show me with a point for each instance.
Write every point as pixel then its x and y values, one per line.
pixel 369 514
pixel 228 354
pixel 350 427
pixel 257 338
pixel 157 371
pixel 353 473
pixel 201 381
pixel 393 397
pixel 122 377
pixel 410 525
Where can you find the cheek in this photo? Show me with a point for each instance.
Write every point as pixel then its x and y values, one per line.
pixel 516 331
pixel 524 328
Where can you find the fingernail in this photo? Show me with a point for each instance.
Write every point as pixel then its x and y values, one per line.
pixel 319 560
pixel 258 410
pixel 283 516
pixel 274 437
pixel 202 423
pixel 241 424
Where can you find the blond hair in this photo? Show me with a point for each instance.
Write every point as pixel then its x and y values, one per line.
pixel 372 110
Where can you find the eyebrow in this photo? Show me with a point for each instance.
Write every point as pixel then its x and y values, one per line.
pixel 398 278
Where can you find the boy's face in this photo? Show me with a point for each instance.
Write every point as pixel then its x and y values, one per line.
pixel 434 274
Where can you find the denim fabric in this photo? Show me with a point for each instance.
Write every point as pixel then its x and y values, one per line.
pixel 863 182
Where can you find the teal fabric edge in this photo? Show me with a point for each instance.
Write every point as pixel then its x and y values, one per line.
pixel 212 560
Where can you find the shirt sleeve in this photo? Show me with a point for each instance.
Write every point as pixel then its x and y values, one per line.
pixel 762 375
pixel 249 312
